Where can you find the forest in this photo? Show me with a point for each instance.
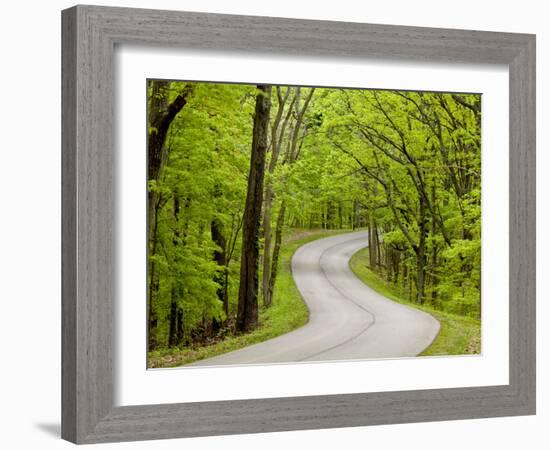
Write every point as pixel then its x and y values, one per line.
pixel 235 171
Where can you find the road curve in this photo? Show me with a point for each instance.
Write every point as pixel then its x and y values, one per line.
pixel 347 319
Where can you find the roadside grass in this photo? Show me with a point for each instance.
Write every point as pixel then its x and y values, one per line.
pixel 287 312
pixel 458 335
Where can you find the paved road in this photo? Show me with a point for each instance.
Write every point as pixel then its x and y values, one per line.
pixel 348 320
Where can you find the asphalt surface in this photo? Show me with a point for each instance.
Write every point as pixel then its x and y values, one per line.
pixel 348 320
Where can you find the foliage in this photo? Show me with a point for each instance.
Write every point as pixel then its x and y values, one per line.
pixel 404 165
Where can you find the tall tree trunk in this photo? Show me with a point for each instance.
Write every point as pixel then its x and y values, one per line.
pixel 247 311
pixel 267 250
pixel 276 251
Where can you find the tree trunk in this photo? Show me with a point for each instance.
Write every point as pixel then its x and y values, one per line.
pixel 396 258
pixel 179 326
pixel 388 261
pixel 172 335
pixel 276 251
pixel 176 322
pixel 267 250
pixel 377 245
pixel 216 229
pixel 247 312
pixel 433 264
pixel 420 277
pixel 405 277
pixel 152 319
pixel 373 244
pixel 421 253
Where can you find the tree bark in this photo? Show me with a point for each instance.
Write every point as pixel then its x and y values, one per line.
pixel 152 319
pixel 421 253
pixel 176 313
pixel 216 230
pixel 172 337
pixel 267 249
pixel 433 263
pixel 377 244
pixel 247 311
pixel 276 251
pixel 373 244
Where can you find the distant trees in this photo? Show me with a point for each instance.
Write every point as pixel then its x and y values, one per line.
pixel 419 155
pixel 228 174
pixel 278 134
pixel 163 106
pixel 288 133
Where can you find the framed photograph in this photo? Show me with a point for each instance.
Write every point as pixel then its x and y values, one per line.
pixel 278 224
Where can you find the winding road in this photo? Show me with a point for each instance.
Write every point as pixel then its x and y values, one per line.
pixel 347 320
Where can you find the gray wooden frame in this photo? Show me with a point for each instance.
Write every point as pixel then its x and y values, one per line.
pixel 89 36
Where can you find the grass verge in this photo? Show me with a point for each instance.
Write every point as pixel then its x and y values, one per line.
pixel 458 335
pixel 287 312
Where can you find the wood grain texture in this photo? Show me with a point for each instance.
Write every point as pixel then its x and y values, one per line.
pixel 68 226
pixel 89 36
pixel 522 282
